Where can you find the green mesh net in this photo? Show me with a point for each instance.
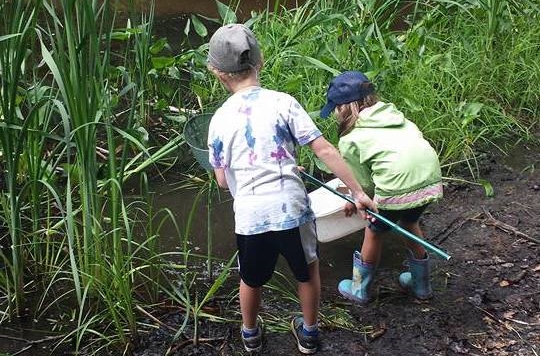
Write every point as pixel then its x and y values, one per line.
pixel 196 135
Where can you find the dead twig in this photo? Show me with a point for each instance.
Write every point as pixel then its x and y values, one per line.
pixel 173 348
pixel 14 338
pixel 525 209
pixel 507 326
pixel 24 349
pixel 521 322
pixel 31 343
pixel 456 224
pixel 156 320
pixel 490 220
pixel 494 318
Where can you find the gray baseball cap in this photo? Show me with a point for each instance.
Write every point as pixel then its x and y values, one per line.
pixel 233 48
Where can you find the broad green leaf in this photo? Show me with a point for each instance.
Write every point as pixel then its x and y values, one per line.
pixel 226 13
pixel 158 46
pixel 162 62
pixel 472 109
pixel 199 27
pixel 317 63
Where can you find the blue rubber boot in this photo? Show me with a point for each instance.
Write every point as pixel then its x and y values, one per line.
pixel 359 288
pixel 417 280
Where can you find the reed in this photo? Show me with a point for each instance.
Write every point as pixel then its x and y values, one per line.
pixel 24 115
pixel 453 68
pixel 74 130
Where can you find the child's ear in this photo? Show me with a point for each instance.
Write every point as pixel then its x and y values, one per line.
pixel 213 70
pixel 223 77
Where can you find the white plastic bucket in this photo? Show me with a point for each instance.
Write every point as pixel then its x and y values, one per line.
pixel 331 221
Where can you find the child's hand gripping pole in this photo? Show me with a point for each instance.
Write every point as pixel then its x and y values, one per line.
pixel 393 225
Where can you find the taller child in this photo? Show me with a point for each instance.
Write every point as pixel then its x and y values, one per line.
pixel 252 140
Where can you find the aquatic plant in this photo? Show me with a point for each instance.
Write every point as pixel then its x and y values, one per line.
pixel 76 111
pixel 452 67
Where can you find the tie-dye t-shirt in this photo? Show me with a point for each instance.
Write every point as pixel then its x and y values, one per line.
pixel 252 136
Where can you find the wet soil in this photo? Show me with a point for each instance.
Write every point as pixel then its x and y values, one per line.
pixel 486 297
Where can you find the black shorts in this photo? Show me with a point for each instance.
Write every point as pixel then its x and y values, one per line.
pixel 258 254
pixel 407 215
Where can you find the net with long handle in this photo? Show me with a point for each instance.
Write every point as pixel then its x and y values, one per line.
pixel 196 135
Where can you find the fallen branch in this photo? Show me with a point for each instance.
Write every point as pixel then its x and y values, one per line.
pixel 173 348
pixel 506 227
pixel 31 343
pixel 159 322
pixel 451 228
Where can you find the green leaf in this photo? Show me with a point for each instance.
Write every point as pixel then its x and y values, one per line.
pixel 162 62
pixel 488 188
pixel 7 37
pixel 158 46
pixel 199 27
pixel 320 65
pixel 187 27
pixel 472 109
pixel 320 164
pixel 226 13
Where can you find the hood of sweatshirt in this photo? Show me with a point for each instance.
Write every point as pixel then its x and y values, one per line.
pixel 380 115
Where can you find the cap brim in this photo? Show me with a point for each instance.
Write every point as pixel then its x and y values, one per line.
pixel 327 110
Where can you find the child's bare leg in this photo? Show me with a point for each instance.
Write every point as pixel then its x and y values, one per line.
pixel 250 302
pixel 371 247
pixel 309 294
pixel 417 249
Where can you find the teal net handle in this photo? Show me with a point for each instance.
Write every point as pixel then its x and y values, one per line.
pixel 393 225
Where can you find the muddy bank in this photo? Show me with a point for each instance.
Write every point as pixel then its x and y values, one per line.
pixel 487 297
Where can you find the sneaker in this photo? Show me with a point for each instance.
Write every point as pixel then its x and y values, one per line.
pixel 252 343
pixel 307 342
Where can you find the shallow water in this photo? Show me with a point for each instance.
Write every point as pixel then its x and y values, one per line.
pixel 335 256
pixel 207 7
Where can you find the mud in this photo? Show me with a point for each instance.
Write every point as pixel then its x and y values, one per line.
pixel 486 297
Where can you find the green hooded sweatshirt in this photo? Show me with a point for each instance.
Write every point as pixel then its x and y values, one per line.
pixel 391 159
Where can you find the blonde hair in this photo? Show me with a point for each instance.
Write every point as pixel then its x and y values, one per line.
pixel 234 77
pixel 347 114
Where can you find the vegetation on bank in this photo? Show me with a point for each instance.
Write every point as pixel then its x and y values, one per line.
pixel 81 98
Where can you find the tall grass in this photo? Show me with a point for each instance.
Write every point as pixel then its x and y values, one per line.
pixel 74 116
pixel 457 69
pixel 23 119
pixel 460 92
pixel 60 130
pixel 102 247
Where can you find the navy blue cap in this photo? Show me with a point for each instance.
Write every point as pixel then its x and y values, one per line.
pixel 345 88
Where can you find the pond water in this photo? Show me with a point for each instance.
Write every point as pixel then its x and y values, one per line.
pixel 335 256
pixel 168 8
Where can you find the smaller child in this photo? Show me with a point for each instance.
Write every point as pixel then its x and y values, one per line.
pixel 396 166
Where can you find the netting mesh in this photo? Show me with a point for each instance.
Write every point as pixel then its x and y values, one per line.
pixel 196 135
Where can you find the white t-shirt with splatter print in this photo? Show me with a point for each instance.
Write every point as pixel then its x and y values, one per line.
pixel 252 136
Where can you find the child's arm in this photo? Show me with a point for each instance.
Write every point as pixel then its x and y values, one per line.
pixel 220 177
pixel 332 159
